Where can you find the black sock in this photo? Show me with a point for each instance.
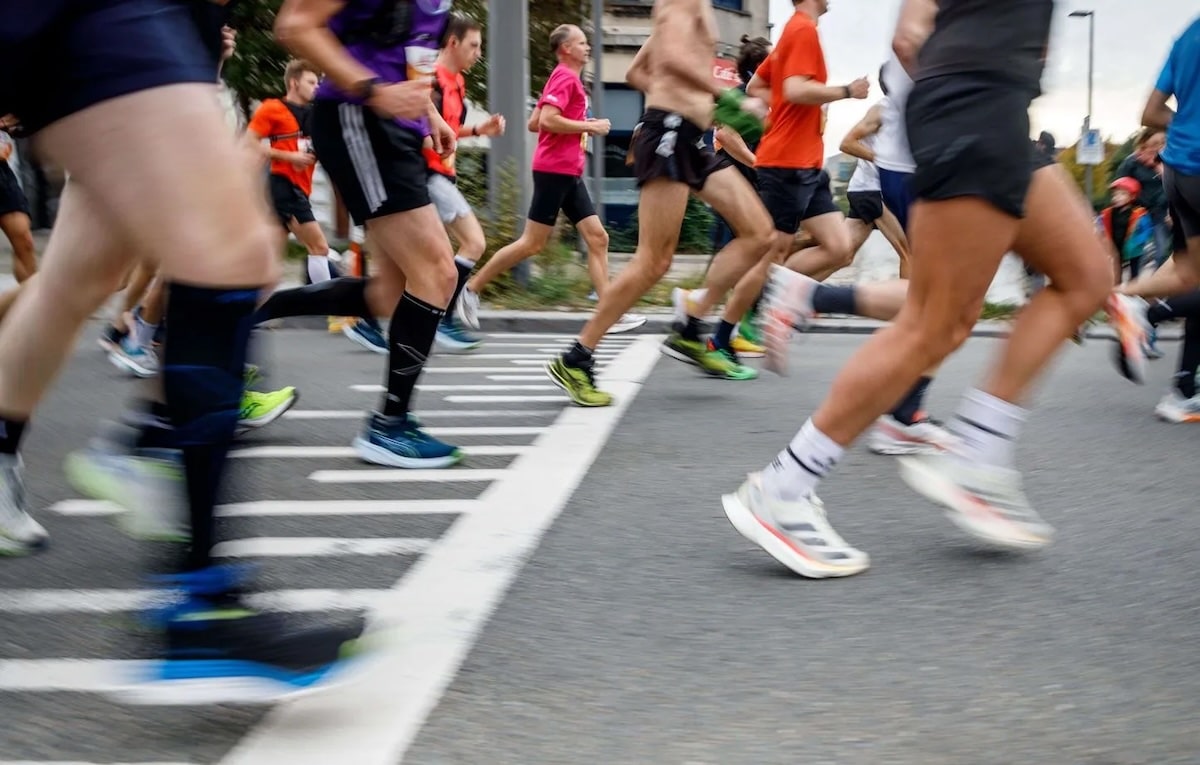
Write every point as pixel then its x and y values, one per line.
pixel 203 366
pixel 910 406
pixel 410 337
pixel 346 296
pixel 693 329
pixel 465 267
pixel 1189 358
pixel 10 434
pixel 829 299
pixel 724 334
pixel 578 356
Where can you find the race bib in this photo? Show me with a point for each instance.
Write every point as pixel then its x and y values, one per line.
pixel 421 61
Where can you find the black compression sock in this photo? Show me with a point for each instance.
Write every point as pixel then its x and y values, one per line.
pixel 465 267
pixel 346 296
pixel 829 299
pixel 908 408
pixel 410 338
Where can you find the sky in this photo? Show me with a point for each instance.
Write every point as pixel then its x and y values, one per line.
pixel 1132 42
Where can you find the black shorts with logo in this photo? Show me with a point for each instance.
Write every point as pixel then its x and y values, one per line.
pixel 553 192
pixel 794 195
pixel 1183 200
pixel 866 206
pixel 970 138
pixel 668 146
pixel 376 165
pixel 12 198
pixel 290 201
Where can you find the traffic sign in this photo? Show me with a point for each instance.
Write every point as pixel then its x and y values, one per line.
pixel 1090 150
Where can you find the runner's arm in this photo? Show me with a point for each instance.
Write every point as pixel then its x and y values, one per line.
pixel 671 30
pixel 535 120
pixel 1157 114
pixel 638 74
pixel 868 126
pixel 759 88
pixel 552 121
pixel 302 27
pixel 912 30
pixel 735 146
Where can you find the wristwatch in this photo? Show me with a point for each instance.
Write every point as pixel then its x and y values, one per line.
pixel 846 88
pixel 364 89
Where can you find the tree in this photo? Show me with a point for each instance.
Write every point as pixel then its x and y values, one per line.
pixel 1101 175
pixel 256 70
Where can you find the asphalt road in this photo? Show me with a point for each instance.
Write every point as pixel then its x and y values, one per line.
pixel 643 629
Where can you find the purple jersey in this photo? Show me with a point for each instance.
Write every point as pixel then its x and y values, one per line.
pixel 358 26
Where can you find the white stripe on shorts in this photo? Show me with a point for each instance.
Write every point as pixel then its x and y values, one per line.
pixel 362 156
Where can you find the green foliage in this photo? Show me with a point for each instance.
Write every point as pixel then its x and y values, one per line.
pixel 544 16
pixel 1102 174
pixel 695 235
pixel 256 70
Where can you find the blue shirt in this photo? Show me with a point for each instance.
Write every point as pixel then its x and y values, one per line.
pixel 1181 78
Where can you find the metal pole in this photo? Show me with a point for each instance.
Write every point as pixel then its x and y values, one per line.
pixel 508 94
pixel 1089 172
pixel 598 147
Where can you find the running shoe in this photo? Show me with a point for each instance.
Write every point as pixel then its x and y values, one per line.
pixel 985 501
pixel 786 305
pixel 579 382
pixel 399 442
pixel 747 349
pixel 147 483
pixel 337 324
pixel 134 359
pixel 1153 352
pixel 627 323
pixel 1175 408
pixel 261 409
pixel 111 337
pixel 251 376
pixel 366 335
pixel 468 309
pixel 1128 315
pixel 20 534
pixel 451 337
pixel 747 328
pixel 712 361
pixel 924 436
pixel 797 534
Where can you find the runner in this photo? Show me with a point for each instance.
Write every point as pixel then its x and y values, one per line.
pixel 462 50
pixel 14 210
pixel 671 160
pixel 114 117
pixel 979 71
pixel 564 128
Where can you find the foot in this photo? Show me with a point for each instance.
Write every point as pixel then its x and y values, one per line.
pixel 787 304
pixel 681 303
pixel 712 361
pixel 20 534
pixel 468 309
pixel 747 349
pixel 1153 352
pixel 1175 408
pixel 797 534
pixel 261 409
pixel 134 359
pixel 747 328
pixel 579 382
pixel 364 334
pixel 1128 316
pixel 337 324
pixel 453 338
pixel 148 484
pixel 111 337
pixel 924 436
pixel 985 501
pixel 399 442
pixel 627 323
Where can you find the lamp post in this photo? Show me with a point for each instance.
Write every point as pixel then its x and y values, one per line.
pixel 1089 179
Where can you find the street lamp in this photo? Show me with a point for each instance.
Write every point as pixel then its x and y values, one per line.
pixel 1087 121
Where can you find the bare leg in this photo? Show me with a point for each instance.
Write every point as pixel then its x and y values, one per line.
pixel 15 226
pixel 834 251
pixel 532 241
pixel 593 233
pixel 1182 276
pixel 889 226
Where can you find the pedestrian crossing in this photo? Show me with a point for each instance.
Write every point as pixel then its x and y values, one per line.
pixel 332 533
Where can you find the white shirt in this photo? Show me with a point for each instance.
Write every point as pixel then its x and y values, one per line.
pixel 891 148
pixel 866 175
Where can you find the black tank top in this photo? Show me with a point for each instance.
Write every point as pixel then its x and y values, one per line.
pixel 998 39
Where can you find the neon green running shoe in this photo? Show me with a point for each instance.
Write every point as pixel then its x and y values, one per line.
pixel 748 328
pixel 261 409
pixel 713 361
pixel 579 383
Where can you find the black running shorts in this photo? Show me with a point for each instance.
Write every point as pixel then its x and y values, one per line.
pixel 970 138
pixel 553 192
pixel 667 146
pixel 866 206
pixel 12 199
pixel 376 165
pixel 792 196
pixel 1183 199
pixel 290 201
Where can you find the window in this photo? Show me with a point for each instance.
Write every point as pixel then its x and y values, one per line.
pixel 729 5
pixel 622 107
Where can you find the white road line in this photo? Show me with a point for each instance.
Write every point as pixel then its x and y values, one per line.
pixel 343 452
pixel 516 378
pixel 626 339
pixel 116 601
pixel 433 615
pixel 359 414
pixel 318 547
pixel 439 432
pixel 74 762
pixel 450 388
pixel 542 344
pixel 80 675
pixel 549 354
pixel 502 400
pixel 384 475
pixel 282 508
pixel 476 370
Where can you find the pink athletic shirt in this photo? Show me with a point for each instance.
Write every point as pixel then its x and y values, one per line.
pixel 558 152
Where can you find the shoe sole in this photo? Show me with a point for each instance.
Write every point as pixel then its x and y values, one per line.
pixel 961 509
pixel 376 455
pixel 271 416
pixel 360 341
pixel 894 449
pixel 455 348
pixel 1129 354
pixel 126 364
pixel 15 548
pixel 670 352
pixel 97 484
pixel 549 370
pixel 749 526
pixel 618 329
pixel 210 691
pixel 1175 418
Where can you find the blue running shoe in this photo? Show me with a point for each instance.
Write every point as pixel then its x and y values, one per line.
pixel 452 337
pixel 399 442
pixel 366 335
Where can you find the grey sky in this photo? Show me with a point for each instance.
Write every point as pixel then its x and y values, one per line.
pixel 1132 41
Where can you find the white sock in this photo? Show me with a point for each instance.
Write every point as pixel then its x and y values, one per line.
pixel 143 333
pixel 318 268
pixel 794 474
pixel 988 428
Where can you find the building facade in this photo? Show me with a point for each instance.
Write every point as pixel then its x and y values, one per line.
pixel 626 26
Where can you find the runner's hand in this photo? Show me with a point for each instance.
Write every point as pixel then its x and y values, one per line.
pixel 406 100
pixel 442 135
pixel 598 127
pixel 755 106
pixel 494 125
pixel 301 160
pixel 860 88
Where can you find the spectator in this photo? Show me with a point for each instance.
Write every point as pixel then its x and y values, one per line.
pixel 1145 167
pixel 1128 226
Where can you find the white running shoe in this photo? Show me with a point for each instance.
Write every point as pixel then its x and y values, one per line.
pixel 1175 408
pixel 985 501
pixel 786 305
pixel 797 534
pixel 925 436
pixel 148 485
pixel 1128 315
pixel 627 323
pixel 20 534
pixel 468 309
pixel 134 359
